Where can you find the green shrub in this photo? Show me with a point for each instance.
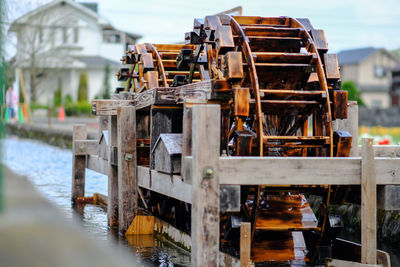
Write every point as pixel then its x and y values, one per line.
pixel 57 100
pixel 354 93
pixel 68 99
pixel 78 109
pixel 34 106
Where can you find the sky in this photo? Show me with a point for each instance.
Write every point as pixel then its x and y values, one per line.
pixel 347 23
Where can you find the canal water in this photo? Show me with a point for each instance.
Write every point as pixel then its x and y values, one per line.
pixel 49 168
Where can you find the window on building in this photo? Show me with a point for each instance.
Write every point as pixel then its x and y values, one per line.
pixel 76 35
pixel 40 32
pixel 110 36
pixel 379 72
pixel 65 35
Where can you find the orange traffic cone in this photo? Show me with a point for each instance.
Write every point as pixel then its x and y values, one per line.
pixel 61 114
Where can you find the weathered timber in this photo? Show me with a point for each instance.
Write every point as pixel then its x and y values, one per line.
pixel 164 184
pixel 78 164
pixel 127 180
pixel 296 170
pixel 112 201
pixel 105 107
pixel 341 263
pixel 163 121
pixel 97 164
pixel 368 203
pixel 350 125
pixel 205 182
pixel 172 186
pixel 245 244
pixel 85 147
pixel 167 153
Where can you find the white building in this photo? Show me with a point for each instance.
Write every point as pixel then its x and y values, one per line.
pixel 58 41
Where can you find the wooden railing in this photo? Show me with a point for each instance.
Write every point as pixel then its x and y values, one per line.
pixel 209 171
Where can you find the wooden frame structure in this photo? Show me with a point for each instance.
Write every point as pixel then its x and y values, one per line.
pixel 209 171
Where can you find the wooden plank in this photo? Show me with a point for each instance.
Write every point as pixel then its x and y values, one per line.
pixel 205 182
pixel 168 185
pixel 303 171
pixel 341 263
pixel 97 164
pixel 85 147
pixel 144 99
pixel 103 125
pixel 331 66
pixel 368 203
pixel 141 225
pixel 245 244
pixel 112 201
pixel 105 107
pixel 127 180
pixel 390 151
pixel 186 138
pixel 350 125
pixel 78 164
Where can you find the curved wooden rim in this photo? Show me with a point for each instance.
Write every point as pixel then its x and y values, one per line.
pixel 160 65
pixel 322 81
pixel 254 80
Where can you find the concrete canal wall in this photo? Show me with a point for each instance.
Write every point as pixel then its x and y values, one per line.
pixel 35 233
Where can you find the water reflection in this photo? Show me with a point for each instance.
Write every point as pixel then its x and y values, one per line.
pixel 50 168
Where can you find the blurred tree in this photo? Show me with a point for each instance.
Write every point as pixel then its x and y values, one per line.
pixel 106 94
pixel 83 88
pixel 354 93
pixel 396 52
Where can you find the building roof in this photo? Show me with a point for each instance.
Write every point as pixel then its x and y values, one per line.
pixel 91 5
pixel 172 142
pixel 355 56
pixel 88 8
pixel 89 12
pixel 96 61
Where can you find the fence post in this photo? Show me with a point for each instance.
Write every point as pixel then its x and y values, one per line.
pixel 112 200
pixel 78 164
pixel 127 162
pixel 245 244
pixel 368 203
pixel 205 185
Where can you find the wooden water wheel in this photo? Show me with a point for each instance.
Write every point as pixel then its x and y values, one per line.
pixel 285 94
pixel 155 65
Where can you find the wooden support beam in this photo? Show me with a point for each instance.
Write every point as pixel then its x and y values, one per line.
pixel 106 107
pixel 341 263
pixel 85 147
pixel 78 164
pixel 112 201
pixel 165 184
pixel 245 244
pixel 368 203
pixel 97 164
pixel 390 151
pixel 205 182
pixel 127 180
pixel 298 170
pixel 350 125
pixel 103 125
